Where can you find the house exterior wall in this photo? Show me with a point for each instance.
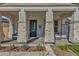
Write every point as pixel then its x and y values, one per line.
pixel 62 27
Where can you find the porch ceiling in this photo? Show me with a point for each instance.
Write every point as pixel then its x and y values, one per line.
pixel 57 14
pixel 62 14
pixel 14 13
pixel 11 14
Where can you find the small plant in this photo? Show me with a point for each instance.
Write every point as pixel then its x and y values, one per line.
pixel 39 47
pixel 25 46
pixel 13 47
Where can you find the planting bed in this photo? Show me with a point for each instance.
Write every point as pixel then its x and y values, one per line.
pixel 22 50
pixel 62 50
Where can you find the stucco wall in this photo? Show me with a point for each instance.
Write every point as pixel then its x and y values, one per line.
pixel 6 29
pixel 62 27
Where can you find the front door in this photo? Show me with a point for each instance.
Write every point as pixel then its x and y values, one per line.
pixel 33 28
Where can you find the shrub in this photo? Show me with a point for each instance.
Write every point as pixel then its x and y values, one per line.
pixel 13 47
pixel 25 46
pixel 39 47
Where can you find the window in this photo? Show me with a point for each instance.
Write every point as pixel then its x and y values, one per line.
pixel 5 19
pixel 56 26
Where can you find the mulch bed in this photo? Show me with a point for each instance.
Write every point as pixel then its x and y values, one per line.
pixel 20 49
pixel 60 52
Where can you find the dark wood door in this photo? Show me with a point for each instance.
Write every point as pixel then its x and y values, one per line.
pixel 33 28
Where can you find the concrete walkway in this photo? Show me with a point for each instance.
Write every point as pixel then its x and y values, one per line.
pixel 49 50
pixel 37 41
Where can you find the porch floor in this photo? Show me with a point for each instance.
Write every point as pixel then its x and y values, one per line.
pixel 62 41
pixel 32 40
pixel 39 41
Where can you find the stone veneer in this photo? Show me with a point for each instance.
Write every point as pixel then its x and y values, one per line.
pixel 22 32
pixel 74 28
pixel 71 33
pixel 76 32
pixel 49 27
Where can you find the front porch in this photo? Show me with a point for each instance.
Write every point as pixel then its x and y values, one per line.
pixel 48 28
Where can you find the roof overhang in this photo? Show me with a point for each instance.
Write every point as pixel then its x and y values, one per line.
pixel 36 4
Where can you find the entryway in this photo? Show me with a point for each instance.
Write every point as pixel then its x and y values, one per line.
pixel 36 26
pixel 33 28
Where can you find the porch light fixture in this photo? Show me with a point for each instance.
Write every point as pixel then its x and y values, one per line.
pixel 68 20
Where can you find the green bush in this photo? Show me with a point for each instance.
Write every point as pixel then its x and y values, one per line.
pixel 39 47
pixel 25 46
pixel 13 47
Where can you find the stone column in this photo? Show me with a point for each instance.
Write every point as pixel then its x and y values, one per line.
pixel 71 29
pixel 49 27
pixel 1 30
pixel 22 32
pixel 76 26
pixel 10 29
